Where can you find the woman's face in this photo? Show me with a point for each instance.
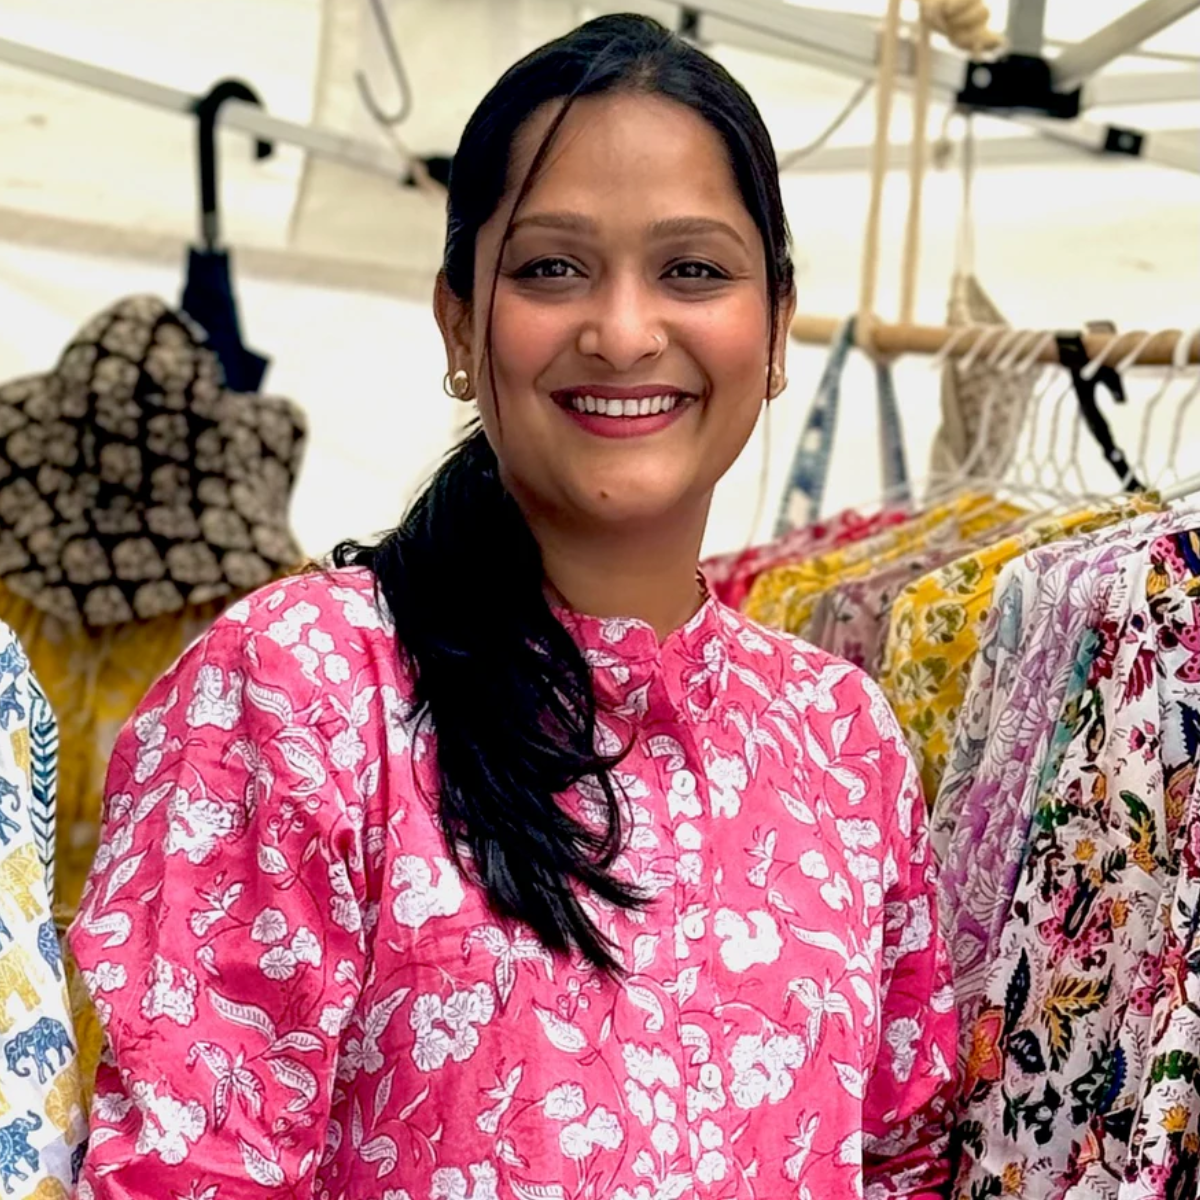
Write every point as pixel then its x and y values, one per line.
pixel 631 329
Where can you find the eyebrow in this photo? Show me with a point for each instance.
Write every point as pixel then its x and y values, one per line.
pixel 668 227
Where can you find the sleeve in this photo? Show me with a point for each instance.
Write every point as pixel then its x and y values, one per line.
pixel 221 933
pixel 910 1092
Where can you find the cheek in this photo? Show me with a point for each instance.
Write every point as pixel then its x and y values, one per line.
pixel 731 344
pixel 526 339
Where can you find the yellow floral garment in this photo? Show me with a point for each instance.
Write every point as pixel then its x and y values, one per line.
pixel 936 624
pixel 94 679
pixel 787 596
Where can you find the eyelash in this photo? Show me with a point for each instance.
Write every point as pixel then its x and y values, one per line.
pixel 714 273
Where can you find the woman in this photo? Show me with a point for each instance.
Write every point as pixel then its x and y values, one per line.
pixel 501 861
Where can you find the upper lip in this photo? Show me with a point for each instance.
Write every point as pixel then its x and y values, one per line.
pixel 608 392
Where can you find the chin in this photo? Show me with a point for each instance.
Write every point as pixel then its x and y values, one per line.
pixel 629 501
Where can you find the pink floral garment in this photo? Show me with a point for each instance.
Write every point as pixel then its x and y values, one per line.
pixel 303 997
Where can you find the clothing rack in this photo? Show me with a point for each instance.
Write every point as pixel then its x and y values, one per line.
pixel 245 118
pixel 1157 350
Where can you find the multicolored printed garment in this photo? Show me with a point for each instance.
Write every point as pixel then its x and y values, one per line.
pixel 935 630
pixel 305 998
pixel 786 597
pixel 731 576
pixel 1065 1053
pixel 41 1115
pixel 1006 735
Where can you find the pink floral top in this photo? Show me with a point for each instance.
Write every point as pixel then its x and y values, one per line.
pixel 304 998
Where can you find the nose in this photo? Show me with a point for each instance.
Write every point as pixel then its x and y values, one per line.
pixel 624 327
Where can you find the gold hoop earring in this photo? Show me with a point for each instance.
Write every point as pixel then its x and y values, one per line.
pixel 777 381
pixel 457 386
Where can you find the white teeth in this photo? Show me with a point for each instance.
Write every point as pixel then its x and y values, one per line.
pixel 648 406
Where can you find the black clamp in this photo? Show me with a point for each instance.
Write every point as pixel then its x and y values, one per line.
pixel 1018 83
pixel 1119 140
pixel 1073 355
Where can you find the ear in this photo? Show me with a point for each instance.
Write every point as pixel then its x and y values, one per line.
pixel 783 327
pixel 454 319
pixel 777 368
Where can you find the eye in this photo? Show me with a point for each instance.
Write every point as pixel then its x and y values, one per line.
pixel 697 271
pixel 549 268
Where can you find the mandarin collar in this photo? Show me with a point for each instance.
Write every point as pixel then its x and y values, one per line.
pixel 633 640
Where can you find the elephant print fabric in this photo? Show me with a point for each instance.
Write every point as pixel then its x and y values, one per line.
pixel 41 1118
pixel 304 997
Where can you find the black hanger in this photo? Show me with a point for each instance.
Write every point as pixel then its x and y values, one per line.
pixel 1073 355
pixel 207 109
pixel 208 296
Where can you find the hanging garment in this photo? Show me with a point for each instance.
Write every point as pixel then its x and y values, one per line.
pixel 787 1016
pixel 132 484
pixel 787 596
pixel 1051 1085
pixel 137 499
pixel 805 491
pixel 934 634
pixel 731 576
pixel 209 300
pixel 1163 1161
pixel 851 620
pixel 1032 649
pixel 41 1116
pixel 984 407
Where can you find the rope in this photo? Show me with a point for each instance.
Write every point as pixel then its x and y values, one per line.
pixel 888 59
pixel 788 160
pixel 966 23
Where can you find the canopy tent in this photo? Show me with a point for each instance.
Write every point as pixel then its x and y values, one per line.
pixel 334 263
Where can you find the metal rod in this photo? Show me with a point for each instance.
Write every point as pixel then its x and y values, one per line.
pixel 1181 490
pixel 1026 26
pixel 1158 351
pixel 1075 64
pixel 235 115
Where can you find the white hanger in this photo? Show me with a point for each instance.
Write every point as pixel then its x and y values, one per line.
pixel 1182 353
pixel 1178 362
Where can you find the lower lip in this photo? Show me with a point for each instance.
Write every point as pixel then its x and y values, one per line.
pixel 626 427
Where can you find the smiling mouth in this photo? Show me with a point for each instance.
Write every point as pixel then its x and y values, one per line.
pixel 626 406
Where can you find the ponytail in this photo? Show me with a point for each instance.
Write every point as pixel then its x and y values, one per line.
pixel 509 697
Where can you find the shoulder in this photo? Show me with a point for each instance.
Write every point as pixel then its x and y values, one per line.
pixel 796 669
pixel 834 710
pixel 315 642
pixel 321 626
pixel 332 600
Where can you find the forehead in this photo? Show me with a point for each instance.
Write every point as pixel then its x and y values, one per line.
pixel 629 157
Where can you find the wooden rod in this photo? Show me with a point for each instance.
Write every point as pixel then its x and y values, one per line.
pixel 896 340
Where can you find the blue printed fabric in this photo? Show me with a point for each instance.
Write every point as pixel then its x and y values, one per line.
pixel 41 1118
pixel 809 473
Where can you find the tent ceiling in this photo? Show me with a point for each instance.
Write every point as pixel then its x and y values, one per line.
pixel 75 157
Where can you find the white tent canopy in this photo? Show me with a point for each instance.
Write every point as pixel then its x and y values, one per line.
pixel 98 198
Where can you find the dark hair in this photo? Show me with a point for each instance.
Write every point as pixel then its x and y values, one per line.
pixel 508 692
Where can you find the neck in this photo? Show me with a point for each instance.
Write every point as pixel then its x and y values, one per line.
pixel 646 574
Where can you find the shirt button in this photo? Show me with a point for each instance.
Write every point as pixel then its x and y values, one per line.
pixel 683 783
pixel 710 1077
